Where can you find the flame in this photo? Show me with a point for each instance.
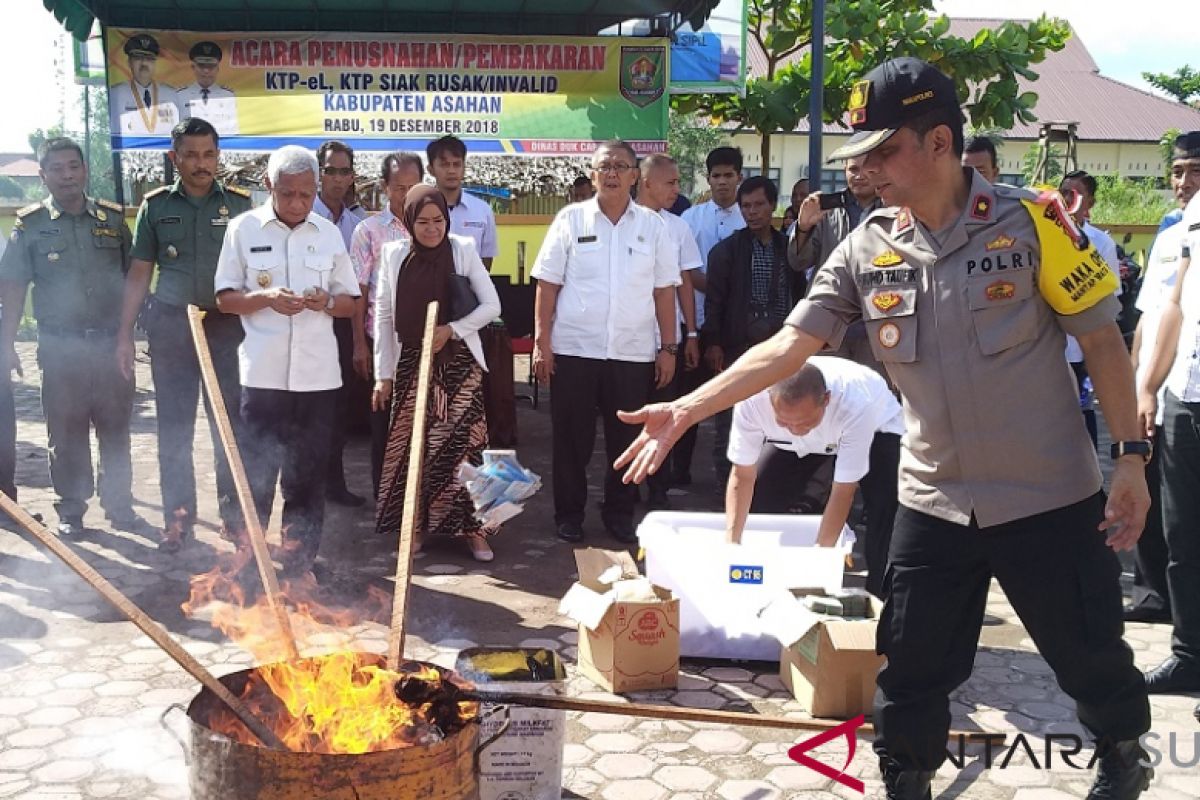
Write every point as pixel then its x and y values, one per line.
pixel 339 702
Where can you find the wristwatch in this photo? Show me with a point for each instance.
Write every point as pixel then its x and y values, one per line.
pixel 1138 447
pixel 693 334
pixel 672 349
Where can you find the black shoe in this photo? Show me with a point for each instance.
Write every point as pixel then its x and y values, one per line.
pixel 1173 677
pixel 71 528
pixel 1146 613
pixel 569 532
pixel 658 500
pixel 1120 775
pixel 906 784
pixel 344 497
pixel 622 531
pixel 128 521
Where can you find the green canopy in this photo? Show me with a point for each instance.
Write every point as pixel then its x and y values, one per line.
pixel 501 17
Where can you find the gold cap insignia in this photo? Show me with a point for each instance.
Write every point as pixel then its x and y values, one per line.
pixel 886 301
pixel 1001 242
pixel 888 258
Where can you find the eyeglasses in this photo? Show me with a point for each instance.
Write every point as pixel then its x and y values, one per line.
pixel 609 166
pixel 338 171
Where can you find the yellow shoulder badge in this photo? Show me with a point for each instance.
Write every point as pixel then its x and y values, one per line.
pixel 888 258
pixel 238 190
pixel 1070 279
pixel 29 209
pixel 156 192
pixel 110 205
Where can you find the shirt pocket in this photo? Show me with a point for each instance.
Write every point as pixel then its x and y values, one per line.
pixel 170 241
pixel 890 316
pixel 1002 310
pixel 317 269
pixel 265 271
pixel 51 249
pixel 637 268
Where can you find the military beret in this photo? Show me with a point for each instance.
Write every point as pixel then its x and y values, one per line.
pixel 1187 145
pixel 205 53
pixel 142 45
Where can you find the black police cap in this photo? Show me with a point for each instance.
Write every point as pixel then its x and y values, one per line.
pixel 1187 146
pixel 205 53
pixel 141 45
pixel 895 92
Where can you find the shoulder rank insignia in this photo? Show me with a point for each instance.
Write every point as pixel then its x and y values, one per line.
pixel 238 190
pixel 886 301
pixel 904 221
pixel 110 205
pixel 1000 290
pixel 981 207
pixel 30 209
pixel 156 192
pixel 888 258
pixel 859 94
pixel 1001 242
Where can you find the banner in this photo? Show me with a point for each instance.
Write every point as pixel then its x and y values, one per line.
pixel 501 95
pixel 713 58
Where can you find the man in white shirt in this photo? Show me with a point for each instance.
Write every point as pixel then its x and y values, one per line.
pixel 658 191
pixel 141 106
pixel 1175 366
pixel 711 222
pixel 1150 597
pixel 285 270
pixel 336 160
pixel 606 274
pixel 204 97
pixel 473 217
pixel 401 171
pixel 832 407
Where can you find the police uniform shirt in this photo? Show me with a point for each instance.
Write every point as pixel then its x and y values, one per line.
pixel 130 115
pixel 860 405
pixel 1162 268
pixel 183 236
pixel 217 106
pixel 76 263
pixel 296 353
pixel 345 224
pixel 474 218
pixel 1183 381
pixel 711 224
pixel 685 245
pixel 969 337
pixel 608 274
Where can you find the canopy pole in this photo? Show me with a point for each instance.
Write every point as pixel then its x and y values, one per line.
pixel 816 95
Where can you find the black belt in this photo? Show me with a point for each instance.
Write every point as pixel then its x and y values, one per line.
pixel 76 333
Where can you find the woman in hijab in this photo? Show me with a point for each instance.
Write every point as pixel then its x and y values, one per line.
pixel 412 273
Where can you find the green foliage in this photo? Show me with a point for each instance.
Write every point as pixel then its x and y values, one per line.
pixel 689 144
pixel 98 147
pixel 1166 146
pixel 1128 201
pixel 10 189
pixel 861 34
pixel 1054 164
pixel 1183 85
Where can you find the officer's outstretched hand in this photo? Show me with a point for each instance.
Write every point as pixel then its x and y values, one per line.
pixel 1128 502
pixel 662 425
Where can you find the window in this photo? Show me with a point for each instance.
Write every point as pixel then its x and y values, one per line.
pixel 772 173
pixel 832 180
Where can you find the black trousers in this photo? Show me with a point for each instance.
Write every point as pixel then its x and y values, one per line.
pixel 380 422
pixel 681 453
pixel 1181 522
pixel 660 481
pixel 288 436
pixel 1150 588
pixel 1063 582
pixel 82 387
pixel 177 387
pixel 8 438
pixel 579 389
pixel 343 330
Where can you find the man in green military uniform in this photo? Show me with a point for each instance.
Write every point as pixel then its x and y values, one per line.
pixel 181 228
pixel 74 250
pixel 967 291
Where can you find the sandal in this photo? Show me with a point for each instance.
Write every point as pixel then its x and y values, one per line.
pixel 480 550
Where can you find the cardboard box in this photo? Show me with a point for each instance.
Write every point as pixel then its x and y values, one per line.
pixel 828 663
pixel 628 628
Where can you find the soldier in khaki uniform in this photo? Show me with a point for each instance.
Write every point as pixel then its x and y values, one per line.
pixel 967 291
pixel 181 228
pixel 74 251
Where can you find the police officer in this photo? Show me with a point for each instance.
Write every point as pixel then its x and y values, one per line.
pixel 967 290
pixel 204 97
pixel 74 250
pixel 180 228
pixel 142 106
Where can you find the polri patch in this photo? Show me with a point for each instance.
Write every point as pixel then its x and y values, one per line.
pixel 1000 290
pixel 886 301
pixel 1001 242
pixel 888 258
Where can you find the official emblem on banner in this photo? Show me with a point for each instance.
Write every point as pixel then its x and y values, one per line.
pixel 643 74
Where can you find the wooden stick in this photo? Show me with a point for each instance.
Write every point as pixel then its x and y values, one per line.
pixel 412 494
pixel 258 540
pixel 677 713
pixel 142 620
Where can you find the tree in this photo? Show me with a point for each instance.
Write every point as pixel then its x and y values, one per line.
pixel 98 148
pixel 1183 85
pixel 861 34
pixel 689 144
pixel 10 189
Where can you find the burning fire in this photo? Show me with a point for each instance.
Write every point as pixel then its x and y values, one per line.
pixel 341 702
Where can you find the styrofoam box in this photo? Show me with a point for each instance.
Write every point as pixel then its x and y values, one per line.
pixel 723 586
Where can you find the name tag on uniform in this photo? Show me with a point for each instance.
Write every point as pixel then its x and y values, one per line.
pixel 50 231
pixel 219 221
pixel 170 220
pixel 105 231
pixel 586 239
pixel 262 248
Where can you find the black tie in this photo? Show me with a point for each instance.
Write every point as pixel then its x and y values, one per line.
pixel 204 94
pixel 146 96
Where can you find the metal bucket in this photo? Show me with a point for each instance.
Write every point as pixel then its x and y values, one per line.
pixel 223 769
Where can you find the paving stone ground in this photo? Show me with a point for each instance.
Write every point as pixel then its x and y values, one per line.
pixel 81 690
